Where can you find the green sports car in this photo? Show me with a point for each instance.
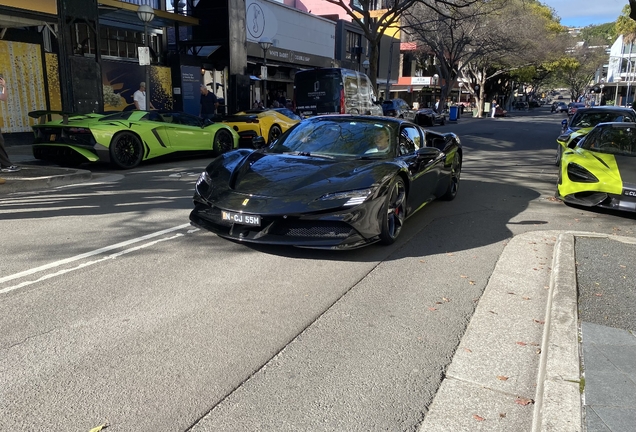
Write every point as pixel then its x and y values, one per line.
pixel 127 138
pixel 584 120
pixel 601 169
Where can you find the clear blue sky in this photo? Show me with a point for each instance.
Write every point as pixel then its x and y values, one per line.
pixel 581 13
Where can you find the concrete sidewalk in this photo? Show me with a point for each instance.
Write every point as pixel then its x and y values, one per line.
pixel 508 374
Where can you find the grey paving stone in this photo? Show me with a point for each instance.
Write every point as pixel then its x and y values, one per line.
pixel 621 356
pixel 604 335
pixel 609 389
pixel 593 422
pixel 595 360
pixel 617 419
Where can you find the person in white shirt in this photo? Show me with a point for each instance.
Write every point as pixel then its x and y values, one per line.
pixel 140 98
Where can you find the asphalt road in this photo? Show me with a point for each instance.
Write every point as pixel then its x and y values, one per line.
pixel 114 309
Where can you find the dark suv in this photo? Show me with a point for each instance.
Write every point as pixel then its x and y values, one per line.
pixel 398 108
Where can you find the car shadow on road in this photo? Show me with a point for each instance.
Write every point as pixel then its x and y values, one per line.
pixel 479 216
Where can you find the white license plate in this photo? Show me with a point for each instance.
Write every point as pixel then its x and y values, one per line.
pixel 241 218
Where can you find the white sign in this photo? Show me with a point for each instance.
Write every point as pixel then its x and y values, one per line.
pixel 144 56
pixel 421 81
pixel 264 72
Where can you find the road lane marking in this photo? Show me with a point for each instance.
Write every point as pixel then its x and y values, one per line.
pixel 88 255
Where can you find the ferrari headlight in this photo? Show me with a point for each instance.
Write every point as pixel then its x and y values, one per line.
pixel 564 138
pixel 353 197
pixel 577 173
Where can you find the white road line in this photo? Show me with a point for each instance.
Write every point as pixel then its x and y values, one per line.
pixel 86 264
pixel 88 255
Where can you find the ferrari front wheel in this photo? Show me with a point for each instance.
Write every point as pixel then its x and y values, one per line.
pixel 393 212
pixel 126 150
pixel 274 132
pixel 453 185
pixel 223 142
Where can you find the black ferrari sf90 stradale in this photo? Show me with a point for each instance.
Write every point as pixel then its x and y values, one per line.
pixel 330 182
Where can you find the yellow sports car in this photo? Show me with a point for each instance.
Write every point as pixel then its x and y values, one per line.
pixel 269 123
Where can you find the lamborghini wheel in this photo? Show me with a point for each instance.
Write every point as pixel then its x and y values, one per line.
pixel 453 185
pixel 126 150
pixel 223 142
pixel 392 216
pixel 274 132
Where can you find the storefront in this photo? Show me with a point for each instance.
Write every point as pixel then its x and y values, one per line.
pixel 281 41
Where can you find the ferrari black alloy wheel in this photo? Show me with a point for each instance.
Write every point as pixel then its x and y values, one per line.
pixel 453 185
pixel 274 132
pixel 223 142
pixel 126 150
pixel 394 212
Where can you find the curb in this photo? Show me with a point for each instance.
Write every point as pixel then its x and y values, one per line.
pixel 558 398
pixel 37 180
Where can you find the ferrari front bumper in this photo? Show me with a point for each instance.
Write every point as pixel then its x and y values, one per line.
pixel 347 229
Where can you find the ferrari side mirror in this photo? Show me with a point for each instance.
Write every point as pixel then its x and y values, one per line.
pixel 428 153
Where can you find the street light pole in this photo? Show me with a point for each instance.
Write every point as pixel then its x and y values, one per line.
pixel 265 44
pixel 146 14
pixel 365 65
pixel 435 78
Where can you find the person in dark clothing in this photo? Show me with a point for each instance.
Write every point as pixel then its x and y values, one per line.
pixel 209 103
pixel 5 163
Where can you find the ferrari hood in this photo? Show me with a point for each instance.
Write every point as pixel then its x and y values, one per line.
pixel 276 175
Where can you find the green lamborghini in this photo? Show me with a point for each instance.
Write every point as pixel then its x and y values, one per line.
pixel 601 169
pixel 127 138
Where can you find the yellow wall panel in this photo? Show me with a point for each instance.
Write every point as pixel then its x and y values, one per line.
pixel 53 79
pixel 21 66
pixel 45 6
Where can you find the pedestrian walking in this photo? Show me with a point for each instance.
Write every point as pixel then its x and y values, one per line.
pixel 139 97
pixel 5 162
pixel 209 103
pixel 494 108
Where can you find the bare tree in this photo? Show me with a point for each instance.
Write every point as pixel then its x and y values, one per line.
pixel 446 34
pixel 485 40
pixel 375 17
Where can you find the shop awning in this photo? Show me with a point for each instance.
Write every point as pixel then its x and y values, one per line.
pixel 404 88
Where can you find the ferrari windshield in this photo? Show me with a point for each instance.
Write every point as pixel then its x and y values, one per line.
pixel 613 139
pixel 592 118
pixel 337 137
